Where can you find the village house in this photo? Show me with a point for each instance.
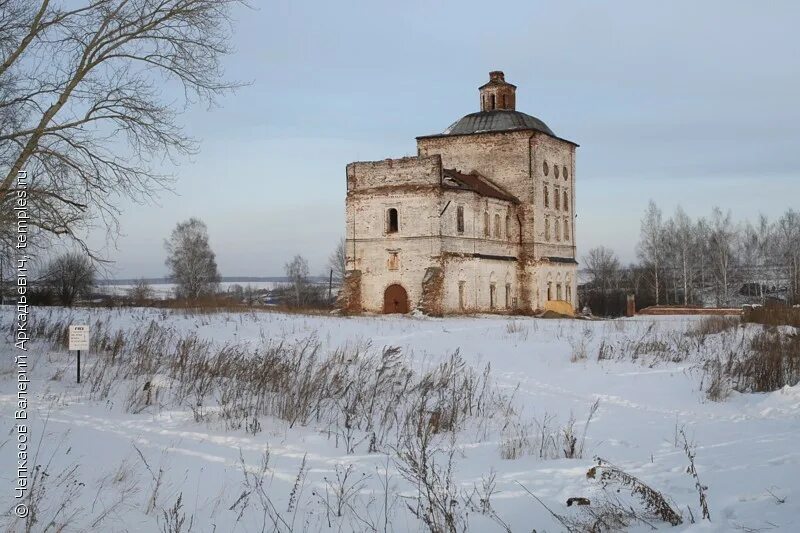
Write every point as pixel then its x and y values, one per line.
pixel 480 220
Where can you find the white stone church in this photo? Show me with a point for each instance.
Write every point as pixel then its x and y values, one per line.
pixel 480 220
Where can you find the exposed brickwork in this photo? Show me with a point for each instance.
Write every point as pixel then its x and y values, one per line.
pixel 432 291
pixel 350 296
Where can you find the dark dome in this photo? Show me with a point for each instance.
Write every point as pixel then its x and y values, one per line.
pixel 496 120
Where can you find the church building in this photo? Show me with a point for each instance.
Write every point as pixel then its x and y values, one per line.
pixel 480 220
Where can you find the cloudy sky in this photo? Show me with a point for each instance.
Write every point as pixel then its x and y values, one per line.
pixel 690 103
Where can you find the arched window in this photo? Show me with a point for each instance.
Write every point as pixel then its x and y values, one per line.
pixel 557 228
pixel 497 226
pixel 460 219
pixel 549 290
pixel 485 223
pixel 566 229
pixel 503 100
pixel 392 221
pixel 545 168
pixel 566 201
pixel 508 227
pixel 557 196
pixel 566 175
pixel 491 101
pixel 555 171
pixel 547 228
pixel 546 197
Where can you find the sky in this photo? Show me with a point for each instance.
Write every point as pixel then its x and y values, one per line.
pixel 688 103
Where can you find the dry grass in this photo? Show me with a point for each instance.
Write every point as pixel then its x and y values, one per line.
pixel 355 394
pixel 773 315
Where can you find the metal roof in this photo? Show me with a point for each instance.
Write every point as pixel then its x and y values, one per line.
pixel 496 120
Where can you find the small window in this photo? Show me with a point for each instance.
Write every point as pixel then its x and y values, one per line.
pixel 462 295
pixel 508 296
pixel 546 197
pixel 569 291
pixel 545 168
pixel 558 291
pixel 555 171
pixel 393 221
pixel 503 100
pixel 460 219
pixel 497 229
pixel 486 228
pixel 547 228
pixel 557 228
pixel 566 175
pixel 566 201
pixel 549 290
pixel 491 101
pixel 508 227
pixel 566 229
pixel 557 196
pixel 492 295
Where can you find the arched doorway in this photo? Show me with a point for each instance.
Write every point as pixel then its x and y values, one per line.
pixel 395 299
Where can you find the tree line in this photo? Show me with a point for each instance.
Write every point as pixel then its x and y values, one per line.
pixel 712 261
pixel 191 262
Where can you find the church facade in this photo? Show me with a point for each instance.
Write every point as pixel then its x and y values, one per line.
pixel 480 220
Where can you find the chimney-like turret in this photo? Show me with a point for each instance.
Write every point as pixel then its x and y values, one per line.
pixel 498 94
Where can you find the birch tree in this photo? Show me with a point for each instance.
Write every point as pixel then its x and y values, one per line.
pixel 651 245
pixel 721 241
pixel 787 246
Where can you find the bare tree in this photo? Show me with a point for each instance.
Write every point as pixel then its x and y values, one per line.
pixel 191 260
pixel 787 250
pixel 721 241
pixel 140 292
pixel 338 260
pixel 603 265
pixel 69 275
pixel 89 93
pixel 683 246
pixel 651 244
pixel 297 272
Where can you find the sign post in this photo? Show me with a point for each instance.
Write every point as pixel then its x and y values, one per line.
pixel 78 340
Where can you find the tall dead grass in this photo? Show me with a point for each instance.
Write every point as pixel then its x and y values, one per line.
pixel 356 393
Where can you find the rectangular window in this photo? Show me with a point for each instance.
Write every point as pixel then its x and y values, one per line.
pixel 460 219
pixel 462 296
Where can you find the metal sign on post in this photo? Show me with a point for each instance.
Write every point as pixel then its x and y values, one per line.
pixel 79 340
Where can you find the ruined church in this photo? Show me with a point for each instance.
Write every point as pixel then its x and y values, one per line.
pixel 480 220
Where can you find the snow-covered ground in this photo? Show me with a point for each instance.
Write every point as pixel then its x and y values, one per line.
pixel 747 451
